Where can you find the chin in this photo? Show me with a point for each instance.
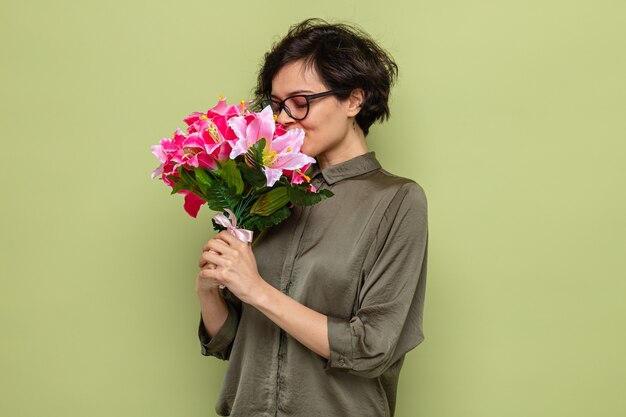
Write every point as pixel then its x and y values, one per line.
pixel 310 152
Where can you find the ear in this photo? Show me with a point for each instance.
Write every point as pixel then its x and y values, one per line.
pixel 355 101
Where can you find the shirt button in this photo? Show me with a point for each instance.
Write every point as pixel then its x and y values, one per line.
pixel 342 362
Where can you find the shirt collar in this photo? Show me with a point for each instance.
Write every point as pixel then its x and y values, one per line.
pixel 358 165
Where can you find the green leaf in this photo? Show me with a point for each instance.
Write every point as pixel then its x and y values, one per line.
pixel 187 176
pixel 220 196
pixel 325 194
pixel 300 195
pixel 254 156
pixel 180 185
pixel 202 176
pixel 270 202
pixel 252 176
pixel 201 190
pixel 231 174
pixel 217 226
pixel 261 223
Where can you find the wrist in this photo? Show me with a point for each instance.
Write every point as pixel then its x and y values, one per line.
pixel 261 296
pixel 208 293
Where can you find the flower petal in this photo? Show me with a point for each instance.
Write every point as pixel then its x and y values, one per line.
pixel 262 126
pixel 240 147
pixel 220 108
pixel 292 139
pixel 223 152
pixel 157 150
pixel 194 141
pixel 206 161
pixel 272 175
pixel 292 161
pixel 239 125
pixel 192 203
pixel 158 171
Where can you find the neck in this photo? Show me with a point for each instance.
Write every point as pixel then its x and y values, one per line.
pixel 351 146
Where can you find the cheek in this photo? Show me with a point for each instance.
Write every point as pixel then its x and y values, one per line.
pixel 309 133
pixel 310 145
pixel 319 131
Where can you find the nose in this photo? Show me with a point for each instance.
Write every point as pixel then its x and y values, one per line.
pixel 283 118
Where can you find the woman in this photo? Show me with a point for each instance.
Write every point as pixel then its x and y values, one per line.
pixel 317 318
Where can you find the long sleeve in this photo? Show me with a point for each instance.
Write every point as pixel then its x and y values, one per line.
pixel 388 318
pixel 221 343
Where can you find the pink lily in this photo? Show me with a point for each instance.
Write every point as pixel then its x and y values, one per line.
pixel 165 152
pixel 184 151
pixel 213 125
pixel 194 153
pixel 280 153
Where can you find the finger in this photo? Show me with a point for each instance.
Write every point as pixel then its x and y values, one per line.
pixel 202 261
pixel 209 274
pixel 208 257
pixel 219 246
pixel 213 277
pixel 213 258
pixel 205 264
pixel 231 240
pixel 215 244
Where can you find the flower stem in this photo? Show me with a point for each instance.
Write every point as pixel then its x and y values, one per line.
pixel 258 237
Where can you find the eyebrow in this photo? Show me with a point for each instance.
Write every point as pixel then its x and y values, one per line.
pixel 293 93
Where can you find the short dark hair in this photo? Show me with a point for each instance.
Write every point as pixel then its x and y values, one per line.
pixel 344 57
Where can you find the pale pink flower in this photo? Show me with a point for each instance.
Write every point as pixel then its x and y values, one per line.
pixel 280 152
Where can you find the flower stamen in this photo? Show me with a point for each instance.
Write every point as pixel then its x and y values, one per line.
pixel 190 152
pixel 306 177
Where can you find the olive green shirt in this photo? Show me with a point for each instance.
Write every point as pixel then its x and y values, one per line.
pixel 359 258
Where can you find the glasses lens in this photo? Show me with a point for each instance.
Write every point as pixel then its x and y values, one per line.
pixel 275 105
pixel 298 106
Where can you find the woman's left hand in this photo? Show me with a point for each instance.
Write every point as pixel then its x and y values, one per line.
pixel 236 266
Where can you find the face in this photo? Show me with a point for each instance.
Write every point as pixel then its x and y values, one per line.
pixel 327 125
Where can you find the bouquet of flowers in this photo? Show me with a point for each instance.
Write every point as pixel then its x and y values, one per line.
pixel 241 164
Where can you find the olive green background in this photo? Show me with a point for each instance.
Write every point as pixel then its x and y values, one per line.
pixel 510 114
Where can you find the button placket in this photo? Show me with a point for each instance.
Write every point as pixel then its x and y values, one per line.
pixel 285 283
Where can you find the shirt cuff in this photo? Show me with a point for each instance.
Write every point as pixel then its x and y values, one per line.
pixel 219 345
pixel 340 343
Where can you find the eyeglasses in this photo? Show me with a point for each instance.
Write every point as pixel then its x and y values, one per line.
pixel 297 106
